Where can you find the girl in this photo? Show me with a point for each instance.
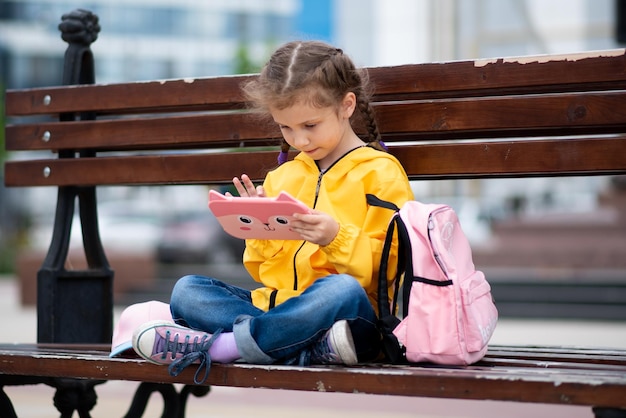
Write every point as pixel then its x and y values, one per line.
pixel 318 296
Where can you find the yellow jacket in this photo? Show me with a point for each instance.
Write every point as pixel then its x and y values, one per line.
pixel 286 268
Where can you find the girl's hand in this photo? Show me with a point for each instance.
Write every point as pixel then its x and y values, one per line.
pixel 246 188
pixel 316 227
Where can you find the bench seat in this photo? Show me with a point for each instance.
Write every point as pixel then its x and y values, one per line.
pixel 552 375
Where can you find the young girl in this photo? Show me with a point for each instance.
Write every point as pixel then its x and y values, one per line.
pixel 317 299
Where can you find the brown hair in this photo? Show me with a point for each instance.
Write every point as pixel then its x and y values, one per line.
pixel 318 73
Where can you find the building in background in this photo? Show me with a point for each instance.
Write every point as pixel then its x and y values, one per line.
pixel 142 39
pixel 389 32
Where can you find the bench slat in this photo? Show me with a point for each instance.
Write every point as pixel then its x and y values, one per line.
pixel 586 71
pixel 583 386
pixel 140 134
pixel 507 116
pixel 599 70
pixel 566 354
pixel 469 160
pixel 187 94
pixel 558 157
pixel 147 169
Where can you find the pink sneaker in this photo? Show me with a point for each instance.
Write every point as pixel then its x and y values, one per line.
pixel 163 342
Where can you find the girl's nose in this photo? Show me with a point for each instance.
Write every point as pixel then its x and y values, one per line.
pixel 300 139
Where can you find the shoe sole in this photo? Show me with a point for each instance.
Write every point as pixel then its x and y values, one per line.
pixel 343 343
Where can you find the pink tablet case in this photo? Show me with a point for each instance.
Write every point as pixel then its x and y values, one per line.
pixel 257 217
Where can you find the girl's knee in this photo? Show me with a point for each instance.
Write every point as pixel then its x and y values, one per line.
pixel 346 286
pixel 182 284
pixel 187 286
pixel 350 283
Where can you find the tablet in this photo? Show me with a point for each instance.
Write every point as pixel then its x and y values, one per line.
pixel 257 217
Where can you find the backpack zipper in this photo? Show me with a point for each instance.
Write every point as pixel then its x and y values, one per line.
pixel 436 250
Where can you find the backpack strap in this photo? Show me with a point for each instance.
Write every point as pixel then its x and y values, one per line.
pixel 388 321
pixel 374 200
pixel 383 296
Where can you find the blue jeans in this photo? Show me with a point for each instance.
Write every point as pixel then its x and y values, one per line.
pixel 284 332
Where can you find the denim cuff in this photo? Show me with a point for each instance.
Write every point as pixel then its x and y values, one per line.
pixel 247 347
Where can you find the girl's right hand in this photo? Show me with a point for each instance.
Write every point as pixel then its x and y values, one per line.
pixel 246 188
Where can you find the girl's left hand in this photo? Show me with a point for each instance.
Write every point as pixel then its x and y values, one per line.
pixel 316 227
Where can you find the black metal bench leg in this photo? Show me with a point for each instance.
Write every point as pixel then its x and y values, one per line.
pixel 142 395
pixel 174 404
pixel 6 406
pixel 609 412
pixel 197 391
pixel 75 395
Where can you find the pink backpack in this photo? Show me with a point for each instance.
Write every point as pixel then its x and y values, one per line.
pixel 448 311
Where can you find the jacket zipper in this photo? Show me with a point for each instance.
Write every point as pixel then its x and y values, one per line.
pixel 317 192
pixel 295 256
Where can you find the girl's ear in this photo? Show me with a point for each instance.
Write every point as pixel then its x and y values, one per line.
pixel 348 104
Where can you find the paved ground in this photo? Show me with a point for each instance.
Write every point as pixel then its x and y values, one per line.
pixel 19 325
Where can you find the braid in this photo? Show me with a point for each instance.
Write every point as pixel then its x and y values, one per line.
pixel 373 134
pixel 284 152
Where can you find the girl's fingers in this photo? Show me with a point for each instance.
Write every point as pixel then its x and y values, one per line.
pixel 239 186
pixel 246 187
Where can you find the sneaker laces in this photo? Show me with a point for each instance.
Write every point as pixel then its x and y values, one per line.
pixel 192 351
pixel 322 353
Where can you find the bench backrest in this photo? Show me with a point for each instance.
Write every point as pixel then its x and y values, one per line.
pixel 465 119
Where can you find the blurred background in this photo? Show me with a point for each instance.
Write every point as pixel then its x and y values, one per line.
pixel 530 236
pixel 554 249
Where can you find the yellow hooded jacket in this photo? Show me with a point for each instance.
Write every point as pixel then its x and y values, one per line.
pixel 287 267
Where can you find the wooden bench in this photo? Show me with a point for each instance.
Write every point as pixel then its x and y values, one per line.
pixel 515 117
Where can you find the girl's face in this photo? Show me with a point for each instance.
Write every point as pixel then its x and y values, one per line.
pixel 324 134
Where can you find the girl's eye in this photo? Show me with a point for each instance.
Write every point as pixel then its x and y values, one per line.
pixel 310 125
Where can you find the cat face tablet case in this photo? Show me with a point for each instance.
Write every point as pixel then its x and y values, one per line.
pixel 257 217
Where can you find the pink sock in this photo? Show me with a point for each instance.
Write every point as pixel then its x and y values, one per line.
pixel 224 349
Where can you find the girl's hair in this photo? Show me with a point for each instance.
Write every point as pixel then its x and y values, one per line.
pixel 315 72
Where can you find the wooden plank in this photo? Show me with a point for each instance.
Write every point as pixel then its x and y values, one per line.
pixel 199 168
pixel 596 70
pixel 170 133
pixel 189 94
pixel 506 116
pixel 532 355
pixel 560 386
pixel 575 363
pixel 467 160
pixel 586 71
pixel 576 351
pixel 551 157
pixel 501 117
